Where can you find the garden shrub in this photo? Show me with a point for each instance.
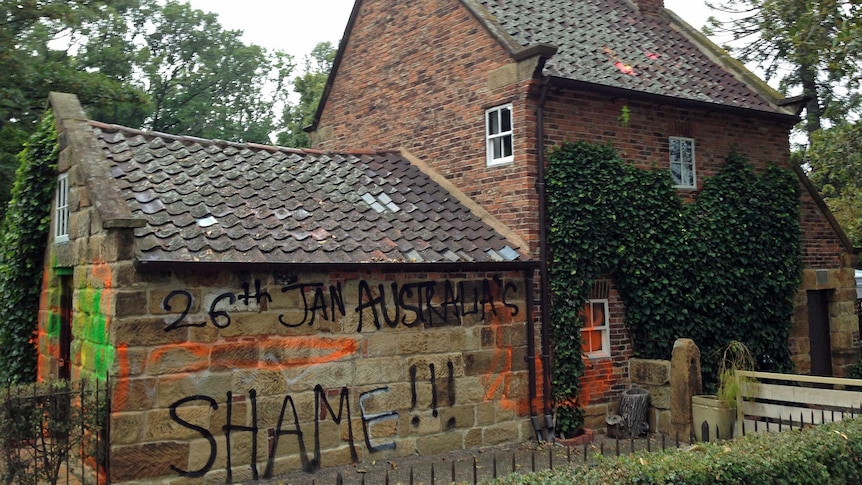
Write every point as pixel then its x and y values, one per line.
pixel 855 371
pixel 830 453
pixel 42 425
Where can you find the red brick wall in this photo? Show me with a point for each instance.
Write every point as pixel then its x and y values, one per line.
pixel 606 377
pixel 419 80
pixel 821 248
pixel 578 115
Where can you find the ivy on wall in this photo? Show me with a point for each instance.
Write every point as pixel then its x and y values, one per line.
pixel 725 267
pixel 24 235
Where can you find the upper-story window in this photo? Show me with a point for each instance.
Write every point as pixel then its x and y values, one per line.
pixel 498 135
pixel 61 209
pixel 682 163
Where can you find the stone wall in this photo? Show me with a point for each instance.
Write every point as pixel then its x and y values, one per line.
pixel 248 374
pixel 843 320
pixel 654 376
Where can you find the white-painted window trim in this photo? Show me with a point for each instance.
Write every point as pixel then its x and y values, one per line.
pixel 602 326
pixel 61 209
pixel 499 139
pixel 682 162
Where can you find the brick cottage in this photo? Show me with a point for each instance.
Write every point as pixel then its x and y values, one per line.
pixel 479 89
pixel 259 310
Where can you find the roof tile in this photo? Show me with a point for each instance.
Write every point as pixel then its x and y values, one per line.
pixel 609 42
pixel 226 202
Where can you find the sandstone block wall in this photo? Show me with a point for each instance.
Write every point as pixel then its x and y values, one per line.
pixel 654 376
pixel 247 374
pixel 840 283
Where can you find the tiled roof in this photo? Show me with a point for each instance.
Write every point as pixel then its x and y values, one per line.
pixel 209 201
pixel 608 42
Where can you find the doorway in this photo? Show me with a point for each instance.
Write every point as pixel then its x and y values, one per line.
pixel 818 333
pixel 64 359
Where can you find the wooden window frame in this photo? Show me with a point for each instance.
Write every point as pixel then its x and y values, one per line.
pixel 685 166
pixel 501 135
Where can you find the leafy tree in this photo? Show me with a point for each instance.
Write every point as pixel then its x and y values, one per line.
pixel 32 64
pixel 309 86
pixel 811 44
pixel 835 162
pixel 202 80
pixel 139 63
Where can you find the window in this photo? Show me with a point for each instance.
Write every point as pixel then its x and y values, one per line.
pixel 498 134
pixel 595 334
pixel 61 209
pixel 682 163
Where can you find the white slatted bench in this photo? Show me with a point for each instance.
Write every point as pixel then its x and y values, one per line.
pixel 774 402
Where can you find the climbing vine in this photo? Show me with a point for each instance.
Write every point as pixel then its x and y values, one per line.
pixel 24 237
pixel 725 267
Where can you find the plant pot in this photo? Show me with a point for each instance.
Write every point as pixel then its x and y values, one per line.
pixel 719 416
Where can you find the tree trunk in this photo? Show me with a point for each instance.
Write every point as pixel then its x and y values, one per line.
pixel 634 404
pixel 808 79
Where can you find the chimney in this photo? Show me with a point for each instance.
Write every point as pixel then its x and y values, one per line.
pixel 650 7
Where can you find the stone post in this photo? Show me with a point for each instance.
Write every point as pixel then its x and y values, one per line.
pixel 685 381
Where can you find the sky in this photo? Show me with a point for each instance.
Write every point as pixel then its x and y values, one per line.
pixel 296 26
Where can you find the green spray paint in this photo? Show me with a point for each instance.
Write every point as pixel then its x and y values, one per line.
pixel 91 332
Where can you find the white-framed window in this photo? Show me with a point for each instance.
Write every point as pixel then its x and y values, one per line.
pixel 61 209
pixel 682 162
pixel 595 334
pixel 498 135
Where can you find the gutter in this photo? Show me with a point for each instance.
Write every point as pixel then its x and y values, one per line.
pixel 529 289
pixel 661 99
pixel 545 290
pixel 145 266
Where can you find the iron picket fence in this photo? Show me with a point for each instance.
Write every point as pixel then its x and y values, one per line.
pixel 54 433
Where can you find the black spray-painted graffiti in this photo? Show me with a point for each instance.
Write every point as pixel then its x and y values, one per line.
pixel 288 425
pixel 219 318
pixel 412 303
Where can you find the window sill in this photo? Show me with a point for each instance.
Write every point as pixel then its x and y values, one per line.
pixel 500 163
pixel 597 356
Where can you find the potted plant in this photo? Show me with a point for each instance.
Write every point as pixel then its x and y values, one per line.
pixel 719 410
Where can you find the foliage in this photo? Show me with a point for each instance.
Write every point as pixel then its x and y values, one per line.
pixel 830 453
pixel 812 44
pixel 11 139
pixel 140 63
pixel 33 65
pixel 42 424
pixel 835 166
pixel 24 237
pixel 572 214
pixel 735 356
pixel 202 80
pixel 310 87
pixel 725 267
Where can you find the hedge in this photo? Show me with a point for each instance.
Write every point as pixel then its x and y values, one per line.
pixel 815 455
